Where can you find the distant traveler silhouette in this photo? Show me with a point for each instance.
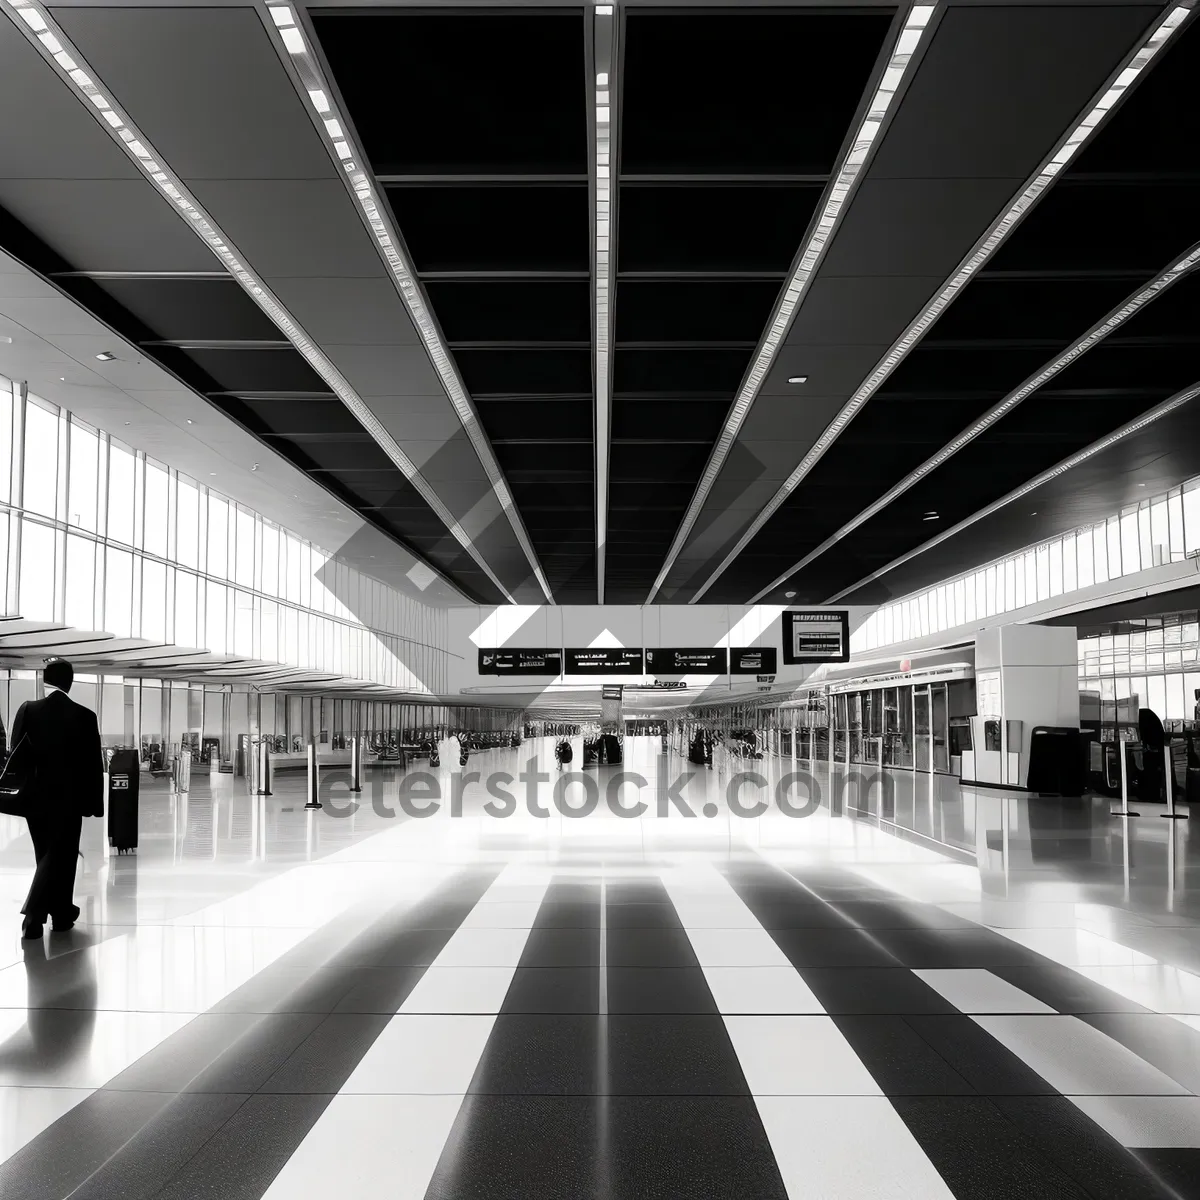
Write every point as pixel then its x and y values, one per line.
pixel 58 742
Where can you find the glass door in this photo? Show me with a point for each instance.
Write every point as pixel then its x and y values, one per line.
pixel 922 742
pixel 941 728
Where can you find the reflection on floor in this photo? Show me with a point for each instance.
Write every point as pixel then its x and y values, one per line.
pixel 272 1002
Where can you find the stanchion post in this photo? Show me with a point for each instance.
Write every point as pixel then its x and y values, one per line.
pixel 356 763
pixel 264 767
pixel 314 778
pixel 1124 784
pixel 1169 782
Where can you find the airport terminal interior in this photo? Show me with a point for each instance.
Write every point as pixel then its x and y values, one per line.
pixel 636 568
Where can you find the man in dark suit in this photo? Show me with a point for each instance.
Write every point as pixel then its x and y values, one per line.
pixel 58 742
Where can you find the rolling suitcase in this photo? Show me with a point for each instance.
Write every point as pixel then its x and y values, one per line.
pixel 123 780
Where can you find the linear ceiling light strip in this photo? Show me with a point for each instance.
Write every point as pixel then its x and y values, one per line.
pixel 604 63
pixel 1050 169
pixel 1095 335
pixel 348 156
pixel 54 45
pixel 1140 423
pixel 841 188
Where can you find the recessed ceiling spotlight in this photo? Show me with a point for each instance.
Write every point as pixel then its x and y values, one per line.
pixel 255 467
pixel 1141 485
pixel 797 379
pixel 930 516
pixel 1034 513
pixel 189 420
pixel 212 472
pixel 62 379
pixel 106 356
pixel 5 338
pixel 126 422
pixel 789 595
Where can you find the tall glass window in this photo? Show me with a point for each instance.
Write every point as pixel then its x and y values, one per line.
pixel 82 500
pixel 120 495
pixel 40 470
pixel 155 536
pixel 187 523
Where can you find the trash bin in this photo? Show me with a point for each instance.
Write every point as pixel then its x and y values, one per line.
pixel 123 781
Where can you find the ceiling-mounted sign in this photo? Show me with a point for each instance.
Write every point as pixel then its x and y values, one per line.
pixel 604 661
pixel 816 635
pixel 520 662
pixel 753 660
pixel 674 661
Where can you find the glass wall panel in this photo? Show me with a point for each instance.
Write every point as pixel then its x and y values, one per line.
pixel 155 535
pixel 82 498
pixel 40 471
pixel 118 592
pixel 120 494
pixel 154 600
pixel 37 572
pixel 80 607
pixel 187 523
pixel 217 563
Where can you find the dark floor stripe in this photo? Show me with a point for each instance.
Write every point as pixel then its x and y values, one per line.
pixel 648 1100
pixel 128 1138
pixel 991 1126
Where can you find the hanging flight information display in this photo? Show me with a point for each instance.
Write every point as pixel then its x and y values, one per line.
pixel 753 660
pixel 816 636
pixel 606 660
pixel 520 662
pixel 671 661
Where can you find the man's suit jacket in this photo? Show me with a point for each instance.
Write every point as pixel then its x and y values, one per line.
pixel 61 755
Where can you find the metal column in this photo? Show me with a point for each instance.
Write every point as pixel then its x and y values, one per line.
pixel 314 778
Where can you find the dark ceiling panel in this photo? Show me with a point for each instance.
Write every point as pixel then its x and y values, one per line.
pixel 505 259
pixel 718 187
pixel 283 370
pixel 765 116
pixel 1155 459
pixel 193 309
pixel 551 420
pixel 511 310
pixel 698 228
pixel 509 229
pixel 513 372
pixel 996 87
pixel 693 310
pixel 499 91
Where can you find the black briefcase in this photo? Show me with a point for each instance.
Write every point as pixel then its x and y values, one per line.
pixel 14 785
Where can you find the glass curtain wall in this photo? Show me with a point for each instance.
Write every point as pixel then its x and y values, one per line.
pixel 1151 662
pixel 99 536
pixel 1160 529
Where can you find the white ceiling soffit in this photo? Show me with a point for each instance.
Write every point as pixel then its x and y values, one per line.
pixel 1053 165
pixel 39 27
pixel 836 200
pixel 1095 335
pixel 606 91
pixel 294 44
pixel 174 425
pixel 1134 426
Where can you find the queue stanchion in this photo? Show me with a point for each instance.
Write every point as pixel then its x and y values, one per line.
pixel 1169 784
pixel 356 763
pixel 1125 810
pixel 314 778
pixel 181 772
pixel 264 768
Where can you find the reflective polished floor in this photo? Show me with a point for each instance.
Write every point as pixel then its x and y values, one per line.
pixel 913 990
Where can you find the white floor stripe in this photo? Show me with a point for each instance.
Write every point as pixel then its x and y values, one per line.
pixel 1076 1059
pixel 833 1135
pixel 847 1148
pixel 373 1140
pixel 1146 1122
pixel 973 990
